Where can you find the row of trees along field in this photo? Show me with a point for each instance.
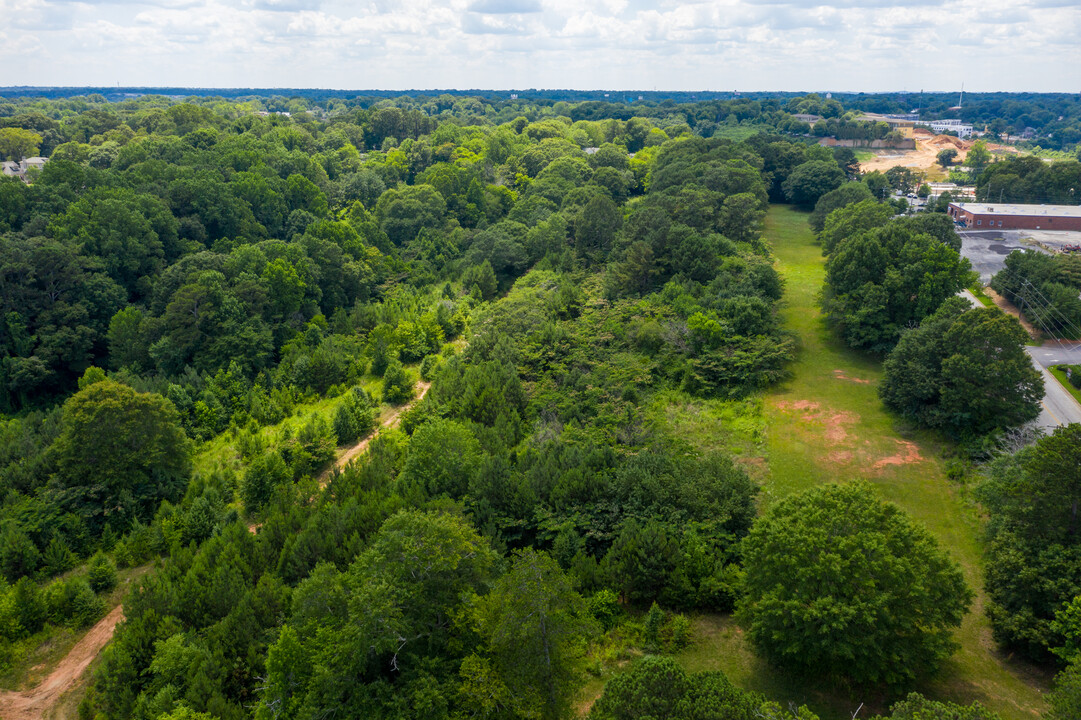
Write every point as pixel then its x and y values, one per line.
pixel 890 289
pixel 201 303
pixel 964 372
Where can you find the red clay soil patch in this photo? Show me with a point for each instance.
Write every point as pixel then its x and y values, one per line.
pixel 908 454
pixel 834 424
pixel 37 703
pixel 831 430
pixel 840 375
pixel 797 405
pixel 839 456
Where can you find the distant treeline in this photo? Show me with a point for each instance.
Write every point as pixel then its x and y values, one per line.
pixel 1054 117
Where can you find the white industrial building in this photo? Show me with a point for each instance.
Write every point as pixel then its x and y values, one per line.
pixel 963 130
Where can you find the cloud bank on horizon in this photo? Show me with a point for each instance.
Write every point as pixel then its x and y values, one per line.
pixel 869 45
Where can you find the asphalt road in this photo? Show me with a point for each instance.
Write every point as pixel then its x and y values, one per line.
pixel 1058 406
pixel 1057 353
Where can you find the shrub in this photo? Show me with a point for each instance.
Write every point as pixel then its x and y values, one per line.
pixel 605 607
pixel 397 385
pixel 657 687
pixel 677 633
pixel 262 476
pixel 312 447
pixel 72 603
pixel 101 573
pixel 428 367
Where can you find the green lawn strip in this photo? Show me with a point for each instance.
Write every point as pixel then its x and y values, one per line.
pixel 983 297
pixel 827 424
pixel 1064 381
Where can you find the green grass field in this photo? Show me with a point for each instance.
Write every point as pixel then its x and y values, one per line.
pixel 220 453
pixel 827 424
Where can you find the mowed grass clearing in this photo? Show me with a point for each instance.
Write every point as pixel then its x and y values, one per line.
pixel 826 424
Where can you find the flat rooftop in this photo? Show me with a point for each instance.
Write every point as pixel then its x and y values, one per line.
pixel 1015 209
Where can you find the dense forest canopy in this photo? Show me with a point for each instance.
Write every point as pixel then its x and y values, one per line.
pixel 205 299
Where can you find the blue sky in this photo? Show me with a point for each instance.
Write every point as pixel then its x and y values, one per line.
pixel 866 45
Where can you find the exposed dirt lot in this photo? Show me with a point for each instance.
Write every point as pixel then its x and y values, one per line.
pixel 925 156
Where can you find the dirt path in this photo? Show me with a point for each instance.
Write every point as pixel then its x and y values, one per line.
pixel 35 704
pixel 355 451
pixel 389 421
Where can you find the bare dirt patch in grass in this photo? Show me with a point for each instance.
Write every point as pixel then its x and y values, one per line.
pixel 837 426
pixel 840 375
pixel 907 454
pixel 755 466
pixel 833 425
pixel 797 405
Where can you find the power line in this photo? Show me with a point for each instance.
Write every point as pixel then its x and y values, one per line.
pixel 1043 310
pixel 1047 304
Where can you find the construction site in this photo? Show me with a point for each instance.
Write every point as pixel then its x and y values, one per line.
pixel 924 158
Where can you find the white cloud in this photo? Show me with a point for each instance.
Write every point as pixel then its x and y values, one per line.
pixel 503 7
pixel 675 44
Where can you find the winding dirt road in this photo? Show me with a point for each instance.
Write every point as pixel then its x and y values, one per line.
pixel 389 421
pixel 35 704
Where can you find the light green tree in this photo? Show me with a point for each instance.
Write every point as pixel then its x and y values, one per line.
pixel 17 143
pixel 977 158
pixel 119 453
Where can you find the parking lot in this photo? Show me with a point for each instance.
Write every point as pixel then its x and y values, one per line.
pixel 987 249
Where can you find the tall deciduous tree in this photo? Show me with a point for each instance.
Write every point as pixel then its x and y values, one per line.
pixel 946 157
pixel 1034 559
pixel 889 278
pixel 845 195
pixel 535 624
pixel 741 217
pixel 596 225
pixel 18 143
pixel 964 371
pixel 119 454
pixel 977 158
pixel 812 180
pixel 844 585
